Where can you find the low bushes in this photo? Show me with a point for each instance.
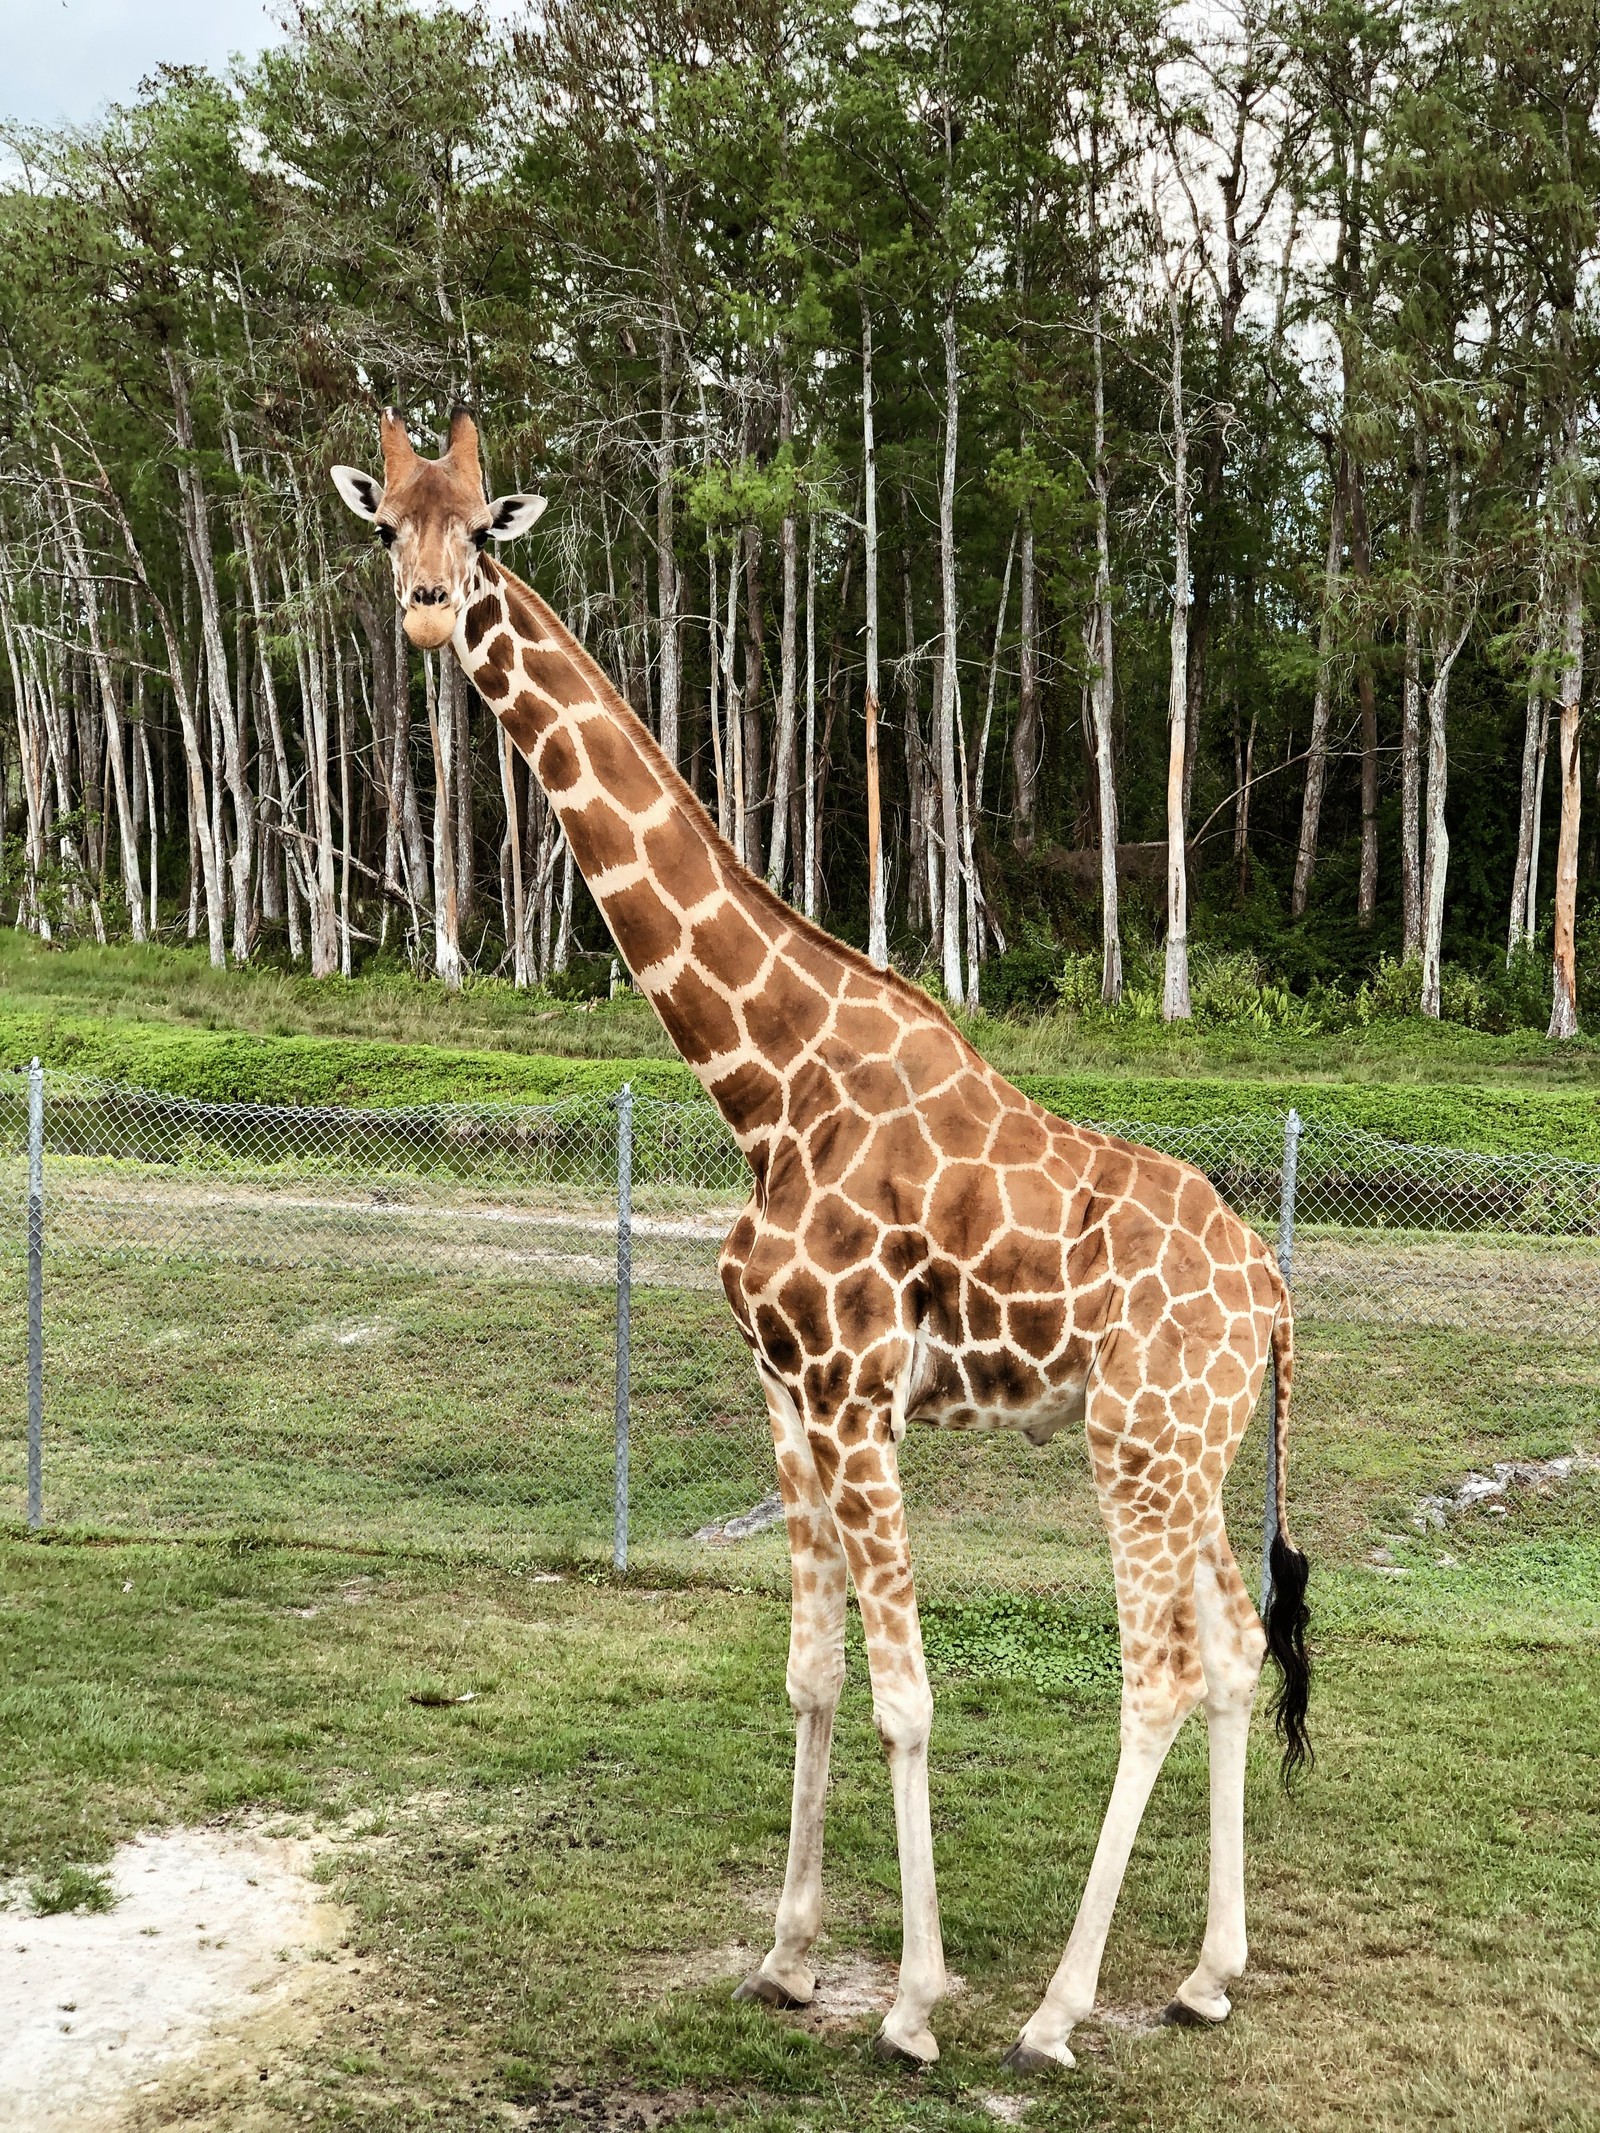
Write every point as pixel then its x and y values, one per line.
pixel 1232 989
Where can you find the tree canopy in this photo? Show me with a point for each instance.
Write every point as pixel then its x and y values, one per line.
pixel 1058 476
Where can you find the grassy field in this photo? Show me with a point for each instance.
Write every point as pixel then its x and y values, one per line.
pixel 432 1394
pixel 554 1887
pixel 306 1494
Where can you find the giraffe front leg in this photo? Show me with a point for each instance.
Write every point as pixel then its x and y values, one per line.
pixel 1231 1650
pixel 815 1675
pixel 864 1489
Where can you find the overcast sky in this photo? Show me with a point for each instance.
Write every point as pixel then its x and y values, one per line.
pixel 68 59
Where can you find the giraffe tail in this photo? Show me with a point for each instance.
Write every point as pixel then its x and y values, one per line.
pixel 1286 1616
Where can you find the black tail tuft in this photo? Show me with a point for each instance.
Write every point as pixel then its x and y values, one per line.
pixel 1285 1623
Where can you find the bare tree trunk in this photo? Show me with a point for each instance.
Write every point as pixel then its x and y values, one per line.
pixel 734 718
pixel 1531 924
pixel 1175 991
pixel 210 868
pixel 342 704
pixel 969 867
pixel 446 918
pixel 282 839
pixel 1025 734
pixel 111 710
pixel 150 796
pixel 1520 926
pixel 1367 695
pixel 919 825
pixel 1564 973
pixel 1322 701
pixel 877 914
pixel 783 746
pixel 461 782
pixel 1101 690
pixel 197 528
pixel 994 673
pixel 517 916
pixel 955 990
pixel 808 889
pixel 561 954
pixel 754 672
pixel 1436 849
pixel 667 587
pixel 30 750
pixel 719 766
pixel 318 833
pixel 1411 716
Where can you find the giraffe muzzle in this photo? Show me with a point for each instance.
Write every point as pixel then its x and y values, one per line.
pixel 430 620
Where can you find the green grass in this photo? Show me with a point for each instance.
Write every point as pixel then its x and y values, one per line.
pixel 162 1019
pixel 70 1888
pixel 469 1408
pixel 558 1883
pixel 311 1501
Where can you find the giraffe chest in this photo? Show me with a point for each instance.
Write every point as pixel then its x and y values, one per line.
pixel 846 1312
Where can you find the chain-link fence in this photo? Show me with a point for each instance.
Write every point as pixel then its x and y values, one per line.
pixel 402 1328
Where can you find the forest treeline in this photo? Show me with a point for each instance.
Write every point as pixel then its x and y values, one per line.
pixel 1041 469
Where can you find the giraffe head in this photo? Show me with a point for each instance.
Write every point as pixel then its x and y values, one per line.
pixel 433 517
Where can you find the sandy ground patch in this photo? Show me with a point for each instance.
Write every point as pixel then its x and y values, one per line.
pixel 208 1943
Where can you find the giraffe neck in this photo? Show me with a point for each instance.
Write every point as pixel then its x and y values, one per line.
pixel 742 983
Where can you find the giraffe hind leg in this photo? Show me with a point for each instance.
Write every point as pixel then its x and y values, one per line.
pixel 1154 1536
pixel 1231 1649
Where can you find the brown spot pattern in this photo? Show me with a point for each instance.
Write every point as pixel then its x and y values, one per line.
pixel 923 1245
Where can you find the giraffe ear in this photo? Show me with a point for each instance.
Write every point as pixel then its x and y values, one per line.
pixel 511 515
pixel 359 490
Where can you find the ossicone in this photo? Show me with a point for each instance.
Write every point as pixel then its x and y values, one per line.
pixel 398 451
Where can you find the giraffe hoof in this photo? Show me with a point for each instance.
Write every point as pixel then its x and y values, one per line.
pixel 1028 2059
pixel 1178 2014
pixel 920 2050
pixel 768 1991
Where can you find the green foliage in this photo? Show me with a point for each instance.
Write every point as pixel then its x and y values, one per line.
pixel 1226 990
pixel 1052 1648
pixel 1234 989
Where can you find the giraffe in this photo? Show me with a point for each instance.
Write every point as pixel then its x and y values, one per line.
pixel 922 1244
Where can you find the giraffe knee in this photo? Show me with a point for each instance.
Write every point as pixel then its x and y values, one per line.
pixel 903 1714
pixel 1160 1691
pixel 815 1678
pixel 1233 1668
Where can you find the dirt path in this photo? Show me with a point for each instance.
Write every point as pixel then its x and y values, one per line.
pixel 208 1944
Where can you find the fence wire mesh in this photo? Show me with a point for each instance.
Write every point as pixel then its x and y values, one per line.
pixel 399 1328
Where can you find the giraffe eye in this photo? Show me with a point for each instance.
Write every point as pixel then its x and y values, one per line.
pixel 480 539
pixel 386 535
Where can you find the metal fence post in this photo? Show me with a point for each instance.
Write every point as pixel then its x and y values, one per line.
pixel 619 1527
pixel 35 1294
pixel 1269 1521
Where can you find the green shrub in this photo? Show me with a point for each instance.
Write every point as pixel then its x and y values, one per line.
pixel 1077 984
pixel 1495 998
pixel 1028 975
pixel 1227 989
